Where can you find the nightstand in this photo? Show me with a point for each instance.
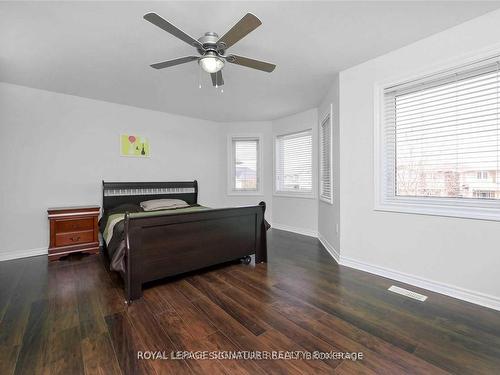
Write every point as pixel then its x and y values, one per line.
pixel 72 230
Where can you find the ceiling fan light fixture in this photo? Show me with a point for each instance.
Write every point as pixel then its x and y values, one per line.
pixel 210 63
pixel 212 48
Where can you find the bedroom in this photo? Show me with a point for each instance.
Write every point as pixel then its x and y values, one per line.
pixel 368 142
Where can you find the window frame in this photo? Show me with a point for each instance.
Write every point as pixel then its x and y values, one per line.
pixel 230 163
pixel 468 208
pixel 328 117
pixel 287 193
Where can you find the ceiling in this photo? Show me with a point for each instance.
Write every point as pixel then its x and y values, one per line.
pixel 102 50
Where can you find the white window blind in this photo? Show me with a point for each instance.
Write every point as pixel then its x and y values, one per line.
pixel 325 155
pixel 442 136
pixel 294 163
pixel 245 164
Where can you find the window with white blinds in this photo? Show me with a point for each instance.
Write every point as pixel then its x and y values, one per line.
pixel 325 160
pixel 294 163
pixel 441 139
pixel 245 164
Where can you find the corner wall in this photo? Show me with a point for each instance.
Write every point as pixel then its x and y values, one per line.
pixel 459 257
pixel 252 128
pixel 329 214
pixel 294 213
pixel 57 148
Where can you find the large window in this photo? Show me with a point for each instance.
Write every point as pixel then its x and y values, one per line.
pixel 325 159
pixel 244 165
pixel 294 163
pixel 441 138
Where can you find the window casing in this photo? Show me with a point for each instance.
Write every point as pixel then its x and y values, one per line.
pixel 325 159
pixel 438 144
pixel 245 165
pixel 293 164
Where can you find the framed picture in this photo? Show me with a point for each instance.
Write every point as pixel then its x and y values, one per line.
pixel 135 146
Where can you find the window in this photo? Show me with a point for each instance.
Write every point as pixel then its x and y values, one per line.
pixel 482 175
pixel 484 194
pixel 325 159
pixel 440 139
pixel 244 165
pixel 294 164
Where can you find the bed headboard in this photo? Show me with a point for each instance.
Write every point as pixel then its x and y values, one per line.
pixel 116 193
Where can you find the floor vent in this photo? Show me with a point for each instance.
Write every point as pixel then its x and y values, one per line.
pixel 407 293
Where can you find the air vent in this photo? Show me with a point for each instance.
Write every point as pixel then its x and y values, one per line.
pixel 407 293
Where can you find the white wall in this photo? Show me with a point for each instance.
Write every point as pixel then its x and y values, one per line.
pixel 443 252
pixel 43 133
pixel 57 148
pixel 299 214
pixel 253 128
pixel 329 214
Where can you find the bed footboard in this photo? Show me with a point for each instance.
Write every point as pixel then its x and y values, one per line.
pixel 168 245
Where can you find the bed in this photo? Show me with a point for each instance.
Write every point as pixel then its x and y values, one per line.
pixel 148 246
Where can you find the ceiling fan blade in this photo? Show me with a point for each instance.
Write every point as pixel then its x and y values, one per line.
pixel 251 63
pixel 243 27
pixel 169 28
pixel 217 79
pixel 180 60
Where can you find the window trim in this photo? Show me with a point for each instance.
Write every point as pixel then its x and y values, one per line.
pixel 293 194
pixel 327 117
pixel 260 167
pixel 447 207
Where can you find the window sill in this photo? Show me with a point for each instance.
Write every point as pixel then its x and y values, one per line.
pixel 463 212
pixel 294 195
pixel 245 193
pixel 328 201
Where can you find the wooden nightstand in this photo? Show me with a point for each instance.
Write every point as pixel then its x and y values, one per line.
pixel 73 229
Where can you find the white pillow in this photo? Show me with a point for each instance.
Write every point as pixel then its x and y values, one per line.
pixel 163 204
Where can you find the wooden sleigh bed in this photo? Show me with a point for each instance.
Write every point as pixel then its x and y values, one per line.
pixel 171 244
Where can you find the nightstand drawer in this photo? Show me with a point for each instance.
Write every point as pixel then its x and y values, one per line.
pixel 74 238
pixel 73 230
pixel 64 226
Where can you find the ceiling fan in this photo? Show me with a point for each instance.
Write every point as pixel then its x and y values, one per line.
pixel 212 49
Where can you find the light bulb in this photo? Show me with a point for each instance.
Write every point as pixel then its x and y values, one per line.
pixel 210 63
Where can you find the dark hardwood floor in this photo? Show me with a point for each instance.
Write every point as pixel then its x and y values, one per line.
pixel 69 317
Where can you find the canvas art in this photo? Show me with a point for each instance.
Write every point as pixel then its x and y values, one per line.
pixel 134 146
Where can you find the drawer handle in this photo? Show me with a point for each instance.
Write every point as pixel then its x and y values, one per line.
pixel 75 239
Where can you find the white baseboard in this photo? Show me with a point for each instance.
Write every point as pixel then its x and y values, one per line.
pixel 434 286
pixel 17 254
pixel 420 282
pixel 438 287
pixel 328 246
pixel 303 231
pixel 311 233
